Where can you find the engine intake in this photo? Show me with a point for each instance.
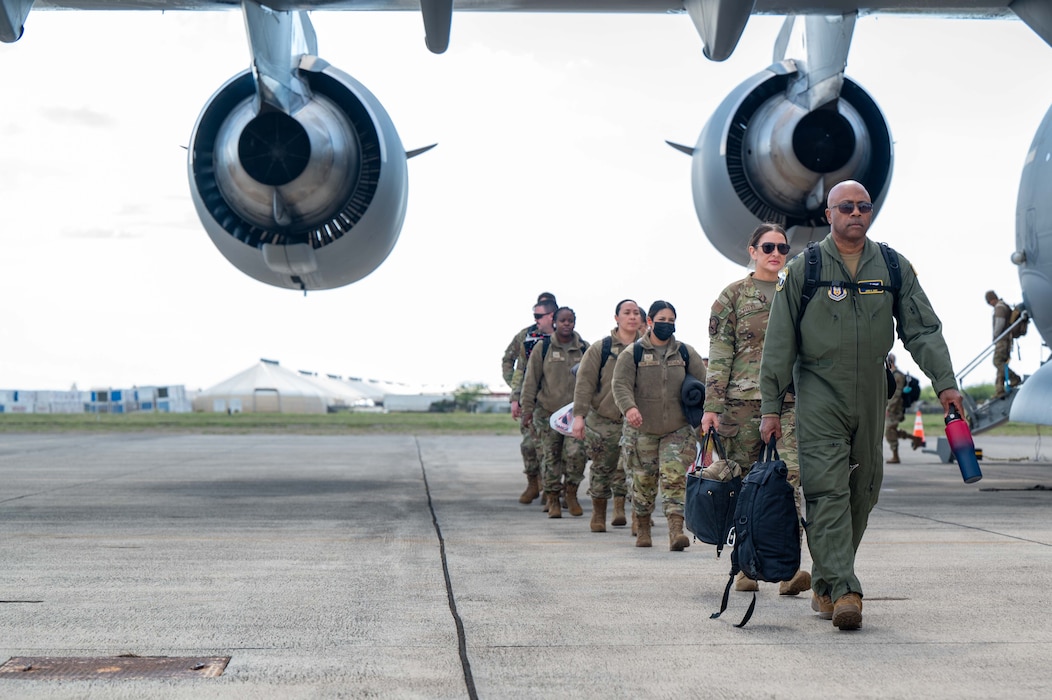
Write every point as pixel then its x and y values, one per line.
pixel 763 158
pixel 312 200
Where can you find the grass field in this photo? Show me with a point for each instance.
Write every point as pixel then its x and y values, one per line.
pixel 331 424
pixel 247 423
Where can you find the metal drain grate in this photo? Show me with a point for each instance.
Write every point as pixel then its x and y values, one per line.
pixel 94 667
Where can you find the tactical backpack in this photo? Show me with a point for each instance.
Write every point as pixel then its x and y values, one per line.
pixel 766 532
pixel 1021 327
pixel 910 391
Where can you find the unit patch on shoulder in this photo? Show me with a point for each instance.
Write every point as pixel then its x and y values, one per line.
pixel 781 280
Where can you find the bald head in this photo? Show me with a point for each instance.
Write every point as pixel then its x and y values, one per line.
pixel 837 194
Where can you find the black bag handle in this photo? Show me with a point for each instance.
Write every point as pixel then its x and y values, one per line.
pixel 771 452
pixel 717 443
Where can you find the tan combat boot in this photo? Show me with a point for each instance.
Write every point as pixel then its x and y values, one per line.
pixel 823 605
pixel 532 489
pixel 744 583
pixel 598 523
pixel 635 525
pixel 677 541
pixel 571 500
pixel 619 511
pixel 847 612
pixel 894 456
pixel 796 585
pixel 643 525
pixel 554 510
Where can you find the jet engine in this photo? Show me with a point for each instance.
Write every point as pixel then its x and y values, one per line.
pixel 764 158
pixel 309 200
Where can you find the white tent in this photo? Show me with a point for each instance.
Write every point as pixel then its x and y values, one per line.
pixel 266 387
pixel 342 394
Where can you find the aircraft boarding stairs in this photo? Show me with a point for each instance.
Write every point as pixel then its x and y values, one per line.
pixel 990 413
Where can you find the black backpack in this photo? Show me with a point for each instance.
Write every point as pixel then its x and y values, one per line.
pixel 766 531
pixel 910 391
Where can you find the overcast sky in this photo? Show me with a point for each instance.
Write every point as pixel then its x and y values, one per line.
pixel 550 175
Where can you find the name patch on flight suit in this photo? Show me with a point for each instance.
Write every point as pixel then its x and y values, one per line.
pixel 871 286
pixel 648 359
pixel 837 292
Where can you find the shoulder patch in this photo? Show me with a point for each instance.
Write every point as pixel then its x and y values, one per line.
pixel 782 274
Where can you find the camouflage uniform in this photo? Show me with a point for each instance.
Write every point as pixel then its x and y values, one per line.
pixel 513 366
pixel 602 420
pixel 841 393
pixel 894 413
pixel 546 387
pixel 737 328
pixel 1003 350
pixel 665 444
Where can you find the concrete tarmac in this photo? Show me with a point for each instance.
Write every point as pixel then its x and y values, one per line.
pixel 402 567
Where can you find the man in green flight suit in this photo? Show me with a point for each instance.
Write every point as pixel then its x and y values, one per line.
pixel 841 386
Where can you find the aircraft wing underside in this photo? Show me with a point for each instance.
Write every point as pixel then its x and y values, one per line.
pixel 978 9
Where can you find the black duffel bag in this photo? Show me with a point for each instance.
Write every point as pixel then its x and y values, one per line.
pixel 712 494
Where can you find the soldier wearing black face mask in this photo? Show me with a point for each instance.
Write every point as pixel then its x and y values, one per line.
pixel 658 441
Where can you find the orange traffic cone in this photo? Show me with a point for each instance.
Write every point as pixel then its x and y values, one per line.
pixel 918 431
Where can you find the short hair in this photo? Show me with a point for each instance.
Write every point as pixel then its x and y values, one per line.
pixel 992 296
pixel 565 308
pixel 548 305
pixel 544 296
pixel 658 306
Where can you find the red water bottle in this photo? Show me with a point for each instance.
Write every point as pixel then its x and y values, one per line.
pixel 960 439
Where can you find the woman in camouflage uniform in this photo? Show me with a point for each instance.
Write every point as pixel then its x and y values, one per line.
pixel 596 419
pixel 547 387
pixel 737 328
pixel 658 441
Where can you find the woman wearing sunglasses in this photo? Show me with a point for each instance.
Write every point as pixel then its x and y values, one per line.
pixel 737 328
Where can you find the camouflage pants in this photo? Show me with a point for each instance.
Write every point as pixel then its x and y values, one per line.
pixel 740 432
pixel 561 455
pixel 1002 355
pixel 530 459
pixel 659 457
pixel 891 429
pixel 602 438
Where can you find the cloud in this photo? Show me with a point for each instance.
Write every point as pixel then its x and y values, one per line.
pixel 83 116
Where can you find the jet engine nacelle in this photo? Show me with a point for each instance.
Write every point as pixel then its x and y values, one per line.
pixel 764 158
pixel 311 200
pixel 1033 255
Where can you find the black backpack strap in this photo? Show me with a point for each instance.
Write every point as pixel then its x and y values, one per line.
pixel 727 594
pixel 684 354
pixel 544 348
pixel 812 278
pixel 608 344
pixel 637 351
pixel 891 259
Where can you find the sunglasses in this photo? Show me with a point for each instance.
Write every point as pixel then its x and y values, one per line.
pixel 849 207
pixel 768 248
pixel 538 317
